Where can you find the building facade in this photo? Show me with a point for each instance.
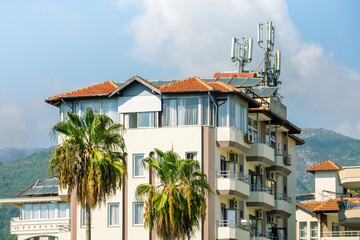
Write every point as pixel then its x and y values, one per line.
pixel 232 123
pixel 334 210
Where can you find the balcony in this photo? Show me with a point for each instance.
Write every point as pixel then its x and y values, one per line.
pixel 281 161
pixel 231 138
pixel 39 226
pixel 261 154
pixel 349 214
pixel 228 229
pixel 232 184
pixel 350 178
pixel 261 197
pixel 264 236
pixel 341 235
pixel 283 207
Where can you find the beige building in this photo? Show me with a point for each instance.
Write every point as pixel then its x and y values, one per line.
pixel 334 211
pixel 232 123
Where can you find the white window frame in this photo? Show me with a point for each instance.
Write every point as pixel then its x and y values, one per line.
pixel 138 224
pixel 306 231
pixel 113 204
pixel 143 156
pixel 194 153
pixel 317 231
pixel 199 120
pixel 83 220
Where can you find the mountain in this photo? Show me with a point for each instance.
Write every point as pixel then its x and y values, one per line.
pixel 16 176
pixel 322 145
pixel 10 154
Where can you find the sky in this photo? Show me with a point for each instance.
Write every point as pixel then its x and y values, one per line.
pixel 51 47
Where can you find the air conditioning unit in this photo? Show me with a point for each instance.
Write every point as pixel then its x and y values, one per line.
pixel 260 170
pixel 233 204
pixel 233 157
pixel 287 160
pixel 271 176
pixel 271 219
pixel 249 137
pixel 259 214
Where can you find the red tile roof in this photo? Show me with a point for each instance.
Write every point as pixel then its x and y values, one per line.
pixel 221 86
pixel 235 74
pixel 100 89
pixel 192 84
pixel 329 205
pixel 324 166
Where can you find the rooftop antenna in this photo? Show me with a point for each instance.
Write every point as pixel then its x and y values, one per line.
pixel 271 72
pixel 241 51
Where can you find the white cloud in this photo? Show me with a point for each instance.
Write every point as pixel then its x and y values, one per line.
pixel 194 37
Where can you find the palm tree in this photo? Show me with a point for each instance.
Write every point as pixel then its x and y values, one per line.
pixel 176 205
pixel 91 159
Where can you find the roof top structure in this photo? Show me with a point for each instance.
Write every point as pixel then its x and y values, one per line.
pixel 44 187
pixel 324 166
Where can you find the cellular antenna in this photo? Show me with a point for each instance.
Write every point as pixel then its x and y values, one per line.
pixel 241 51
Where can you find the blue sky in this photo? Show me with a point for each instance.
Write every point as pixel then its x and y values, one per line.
pixel 48 48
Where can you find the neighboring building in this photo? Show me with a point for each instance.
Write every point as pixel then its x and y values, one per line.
pixel 334 213
pixel 232 123
pixel 44 212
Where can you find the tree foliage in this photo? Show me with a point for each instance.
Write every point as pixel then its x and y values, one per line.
pixel 176 205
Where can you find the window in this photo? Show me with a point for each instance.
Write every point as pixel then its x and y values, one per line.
pixel 44 211
pixel 335 228
pixel 27 211
pixel 36 211
pixel 114 216
pixel 138 214
pixel 188 111
pixel 51 207
pixel 145 119
pixel 191 155
pixel 314 227
pixel 222 112
pixel 253 128
pixel 138 165
pixel 205 111
pixel 223 211
pixel 170 112
pixel 63 210
pixel 83 216
pixel 303 230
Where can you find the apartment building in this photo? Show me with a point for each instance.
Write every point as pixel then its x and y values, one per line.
pixel 44 212
pixel 333 211
pixel 232 123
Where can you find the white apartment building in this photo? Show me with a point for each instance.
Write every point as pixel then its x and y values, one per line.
pixel 232 123
pixel 333 211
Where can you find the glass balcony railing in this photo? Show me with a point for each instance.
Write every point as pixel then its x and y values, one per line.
pixel 230 223
pixel 282 196
pixel 232 175
pixel 262 188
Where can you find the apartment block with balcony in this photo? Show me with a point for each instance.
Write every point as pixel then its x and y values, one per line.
pixel 333 211
pixel 245 145
pixel 44 213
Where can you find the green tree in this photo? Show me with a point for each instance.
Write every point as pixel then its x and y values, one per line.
pixel 176 204
pixel 90 160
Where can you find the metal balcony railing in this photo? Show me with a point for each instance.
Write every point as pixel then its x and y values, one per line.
pixel 345 204
pixel 266 235
pixel 232 175
pixel 282 196
pixel 341 234
pixel 262 188
pixel 64 227
pixel 230 223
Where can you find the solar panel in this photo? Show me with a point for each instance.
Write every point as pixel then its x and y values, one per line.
pixel 252 82
pixel 48 186
pixel 209 79
pixel 224 80
pixel 162 82
pixel 267 91
pixel 237 82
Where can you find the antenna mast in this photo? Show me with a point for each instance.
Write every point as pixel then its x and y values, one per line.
pixel 241 52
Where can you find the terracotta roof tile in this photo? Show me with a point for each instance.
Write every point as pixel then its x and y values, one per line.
pixel 192 84
pixel 99 89
pixel 327 205
pixel 324 166
pixel 221 86
pixel 312 204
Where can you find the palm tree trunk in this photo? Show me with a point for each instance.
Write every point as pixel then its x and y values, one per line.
pixel 88 222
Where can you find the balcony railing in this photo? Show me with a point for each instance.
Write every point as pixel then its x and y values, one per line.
pixel 340 234
pixel 262 188
pixel 282 196
pixel 230 223
pixel 345 204
pixel 265 235
pixel 232 175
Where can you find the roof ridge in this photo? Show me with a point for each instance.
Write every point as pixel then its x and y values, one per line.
pixel 203 83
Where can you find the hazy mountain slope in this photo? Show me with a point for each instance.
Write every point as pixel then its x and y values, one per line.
pixel 10 154
pixel 15 176
pixel 322 145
